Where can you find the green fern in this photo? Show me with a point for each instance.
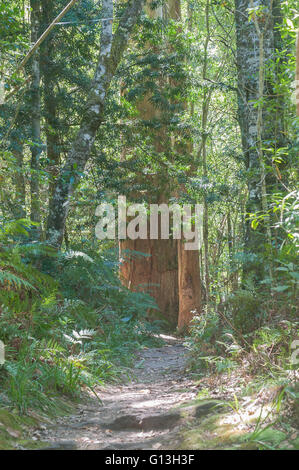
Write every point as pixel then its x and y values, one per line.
pixel 8 279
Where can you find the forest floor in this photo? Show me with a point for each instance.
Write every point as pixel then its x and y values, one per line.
pixel 161 406
pixel 140 414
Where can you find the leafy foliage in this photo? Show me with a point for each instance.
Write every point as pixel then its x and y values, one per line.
pixel 78 330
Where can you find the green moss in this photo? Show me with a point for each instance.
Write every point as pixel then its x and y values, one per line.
pixel 268 437
pixel 13 428
pixel 211 433
pixel 5 444
pixel 10 429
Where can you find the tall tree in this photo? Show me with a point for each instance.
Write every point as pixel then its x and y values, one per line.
pixel 157 271
pixel 168 271
pixel 111 50
pixel 35 109
pixel 297 74
pixel 49 75
pixel 255 38
pixel 189 276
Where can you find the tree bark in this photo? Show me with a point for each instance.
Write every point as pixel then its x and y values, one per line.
pixel 255 49
pixel 16 147
pixel 169 273
pixel 189 279
pixel 189 286
pixel 157 273
pixel 20 195
pixel 203 154
pixel 297 74
pixel 111 52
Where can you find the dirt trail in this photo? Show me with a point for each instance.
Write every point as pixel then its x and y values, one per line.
pixel 160 408
pixel 140 415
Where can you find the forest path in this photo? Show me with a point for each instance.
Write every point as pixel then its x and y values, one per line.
pixel 142 414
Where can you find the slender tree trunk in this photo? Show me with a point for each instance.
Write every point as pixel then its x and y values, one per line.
pixel 297 74
pixel 203 154
pixel 233 274
pixel 111 51
pixel 50 98
pixel 35 114
pixel 260 30
pixel 255 48
pixel 20 195
pixel 205 221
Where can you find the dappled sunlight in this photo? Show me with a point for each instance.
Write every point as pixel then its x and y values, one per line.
pixel 149 211
pixel 158 403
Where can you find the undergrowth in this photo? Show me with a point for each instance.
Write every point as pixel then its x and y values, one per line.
pixel 66 321
pixel 254 360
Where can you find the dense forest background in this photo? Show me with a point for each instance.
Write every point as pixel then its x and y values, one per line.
pixel 169 101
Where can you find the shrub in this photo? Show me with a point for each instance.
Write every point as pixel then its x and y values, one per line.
pixel 244 309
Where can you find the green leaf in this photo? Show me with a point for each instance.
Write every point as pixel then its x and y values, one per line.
pixel 280 288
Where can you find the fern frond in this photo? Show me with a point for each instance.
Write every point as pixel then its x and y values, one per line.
pixel 76 254
pixel 8 279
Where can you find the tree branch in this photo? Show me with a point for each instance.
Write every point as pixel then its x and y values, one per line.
pixel 45 34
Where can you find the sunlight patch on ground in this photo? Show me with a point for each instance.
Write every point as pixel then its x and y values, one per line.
pixel 249 415
pixel 166 337
pixel 154 403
